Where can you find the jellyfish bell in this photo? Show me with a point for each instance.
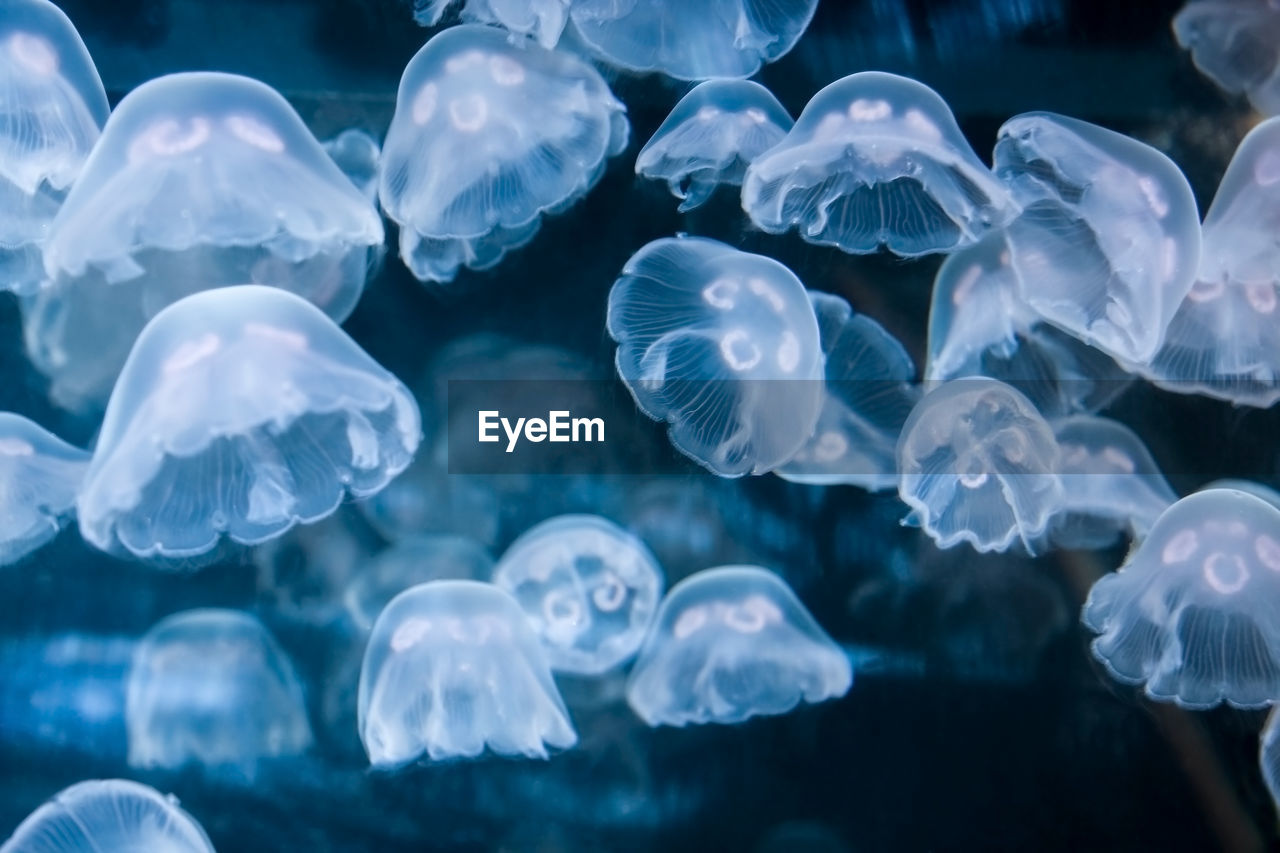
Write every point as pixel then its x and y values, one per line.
pixel 356 153
pixel 543 20
pixel 1234 44
pixel 39 477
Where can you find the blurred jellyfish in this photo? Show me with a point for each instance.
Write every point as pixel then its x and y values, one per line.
pixel 711 136
pixel 732 643
pixel 1107 241
pixel 356 153
pixel 1236 44
pixel 39 477
pixel 487 137
pixel 979 465
pixel 408 563
pixel 541 19
pixel 876 160
pixel 705 332
pixel 453 667
pixel 683 521
pixel 200 181
pixel 1191 612
pixel 589 588
pixel 1269 756
pixel 240 412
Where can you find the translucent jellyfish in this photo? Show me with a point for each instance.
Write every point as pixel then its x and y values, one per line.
pixel 108 815
pixel 489 135
pixel 979 465
pixel 408 563
pixel 1235 44
pixel 199 181
pixel 39 477
pixel 212 688
pixel 589 588
pixel 240 412
pixel 1108 239
pixel 876 160
pixel 1269 756
pixel 357 154
pixel 541 19
pixel 52 108
pixel 704 333
pixel 711 136
pixel 1191 612
pixel 732 643
pixel 453 667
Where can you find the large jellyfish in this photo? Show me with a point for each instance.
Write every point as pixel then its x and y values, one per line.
pixel 407 563
pixel 39 477
pixel 240 412
pixel 1191 614
pixel 732 643
pixel 488 135
pixel 711 136
pixel 876 160
pixel 199 181
pixel 1236 44
pixel 453 667
pixel 724 346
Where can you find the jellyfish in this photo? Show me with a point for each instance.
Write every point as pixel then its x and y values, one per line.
pixel 39 477
pixel 108 815
pixel 978 464
pixel 1234 44
pixel 876 160
pixel 52 108
pixel 711 136
pixel 410 562
pixel 731 643
pixel 356 153
pixel 544 20
pixel 1107 241
pixel 589 588
pixel 453 667
pixel 1269 756
pixel 489 135
pixel 240 412
pixel 705 332
pixel 199 181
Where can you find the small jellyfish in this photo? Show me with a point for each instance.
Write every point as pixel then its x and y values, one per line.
pixel 240 412
pixel 978 464
pixel 711 136
pixel 489 135
pixel 589 588
pixel 544 20
pixel 357 154
pixel 1236 44
pixel 410 562
pixel 876 160
pixel 453 667
pixel 1269 756
pixel 705 332
pixel 1192 612
pixel 731 643
pixel 1108 239
pixel 108 816
pixel 39 477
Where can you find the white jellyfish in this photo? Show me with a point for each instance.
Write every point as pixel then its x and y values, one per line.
pixel 1191 612
pixel 876 160
pixel 589 588
pixel 1236 44
pixel 542 19
pixel 731 643
pixel 410 562
pixel 240 412
pixel 1269 756
pixel 453 667
pixel 39 477
pixel 356 153
pixel 199 181
pixel 722 344
pixel 711 136
pixel 489 135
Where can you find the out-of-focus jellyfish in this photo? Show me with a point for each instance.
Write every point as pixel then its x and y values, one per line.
pixel 1108 238
pixel 1269 756
pixel 1191 612
pixel 52 108
pixel 978 464
pixel 408 563
pixel 541 19
pixel 876 160
pixel 711 136
pixel 489 135
pixel 724 346
pixel 39 477
pixel 212 688
pixel 240 412
pixel 589 588
pixel 356 153
pixel 453 667
pixel 199 181
pixel 1236 44
pixel 108 815
pixel 731 643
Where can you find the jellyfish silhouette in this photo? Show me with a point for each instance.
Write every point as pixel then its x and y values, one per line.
pixel 40 475
pixel 357 154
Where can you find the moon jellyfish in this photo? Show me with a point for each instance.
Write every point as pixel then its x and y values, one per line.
pixel 1269 756
pixel 541 19
pixel 39 477
pixel 979 465
pixel 1191 612
pixel 488 136
pixel 724 346
pixel 732 643
pixel 212 688
pixel 1234 44
pixel 588 587
pixel 199 181
pixel 453 667
pixel 1108 238
pixel 240 412
pixel 876 160
pixel 408 563
pixel 357 154
pixel 711 136
pixel 108 815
